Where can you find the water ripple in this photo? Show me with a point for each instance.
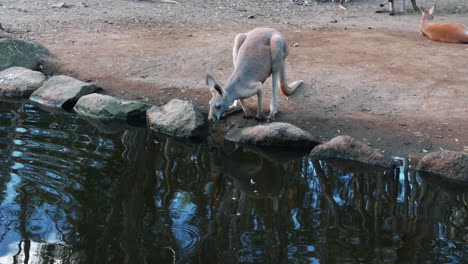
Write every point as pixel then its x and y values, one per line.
pixel 44 162
pixel 187 238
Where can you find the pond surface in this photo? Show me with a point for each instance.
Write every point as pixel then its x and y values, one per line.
pixel 72 194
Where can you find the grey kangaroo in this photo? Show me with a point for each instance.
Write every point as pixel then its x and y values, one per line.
pixel 403 6
pixel 257 54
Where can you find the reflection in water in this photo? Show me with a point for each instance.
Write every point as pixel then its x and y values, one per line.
pixel 73 194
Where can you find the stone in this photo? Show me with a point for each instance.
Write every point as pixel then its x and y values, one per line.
pixel 61 5
pixel 62 92
pixel 276 134
pixel 4 34
pixel 105 107
pixel 21 53
pixel 450 165
pixel 19 82
pixel 177 118
pixel 348 148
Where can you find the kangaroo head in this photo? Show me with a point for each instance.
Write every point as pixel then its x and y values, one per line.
pixel 427 14
pixel 218 103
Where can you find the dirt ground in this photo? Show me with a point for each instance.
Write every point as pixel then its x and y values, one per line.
pixel 368 75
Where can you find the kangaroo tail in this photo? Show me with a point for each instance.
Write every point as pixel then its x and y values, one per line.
pixel 287 89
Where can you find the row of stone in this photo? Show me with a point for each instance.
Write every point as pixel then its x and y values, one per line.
pixel 181 118
pixel 184 119
pixel 452 165
pixel 177 118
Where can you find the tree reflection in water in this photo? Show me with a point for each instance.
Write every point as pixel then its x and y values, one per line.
pixel 73 194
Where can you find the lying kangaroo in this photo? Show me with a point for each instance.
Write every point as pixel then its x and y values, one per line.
pixel 403 6
pixel 257 54
pixel 443 32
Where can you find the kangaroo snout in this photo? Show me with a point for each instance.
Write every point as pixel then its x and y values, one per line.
pixel 213 118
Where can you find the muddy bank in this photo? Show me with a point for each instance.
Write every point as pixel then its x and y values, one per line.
pixel 372 92
pixel 368 75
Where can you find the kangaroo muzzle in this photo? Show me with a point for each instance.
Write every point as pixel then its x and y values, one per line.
pixel 214 117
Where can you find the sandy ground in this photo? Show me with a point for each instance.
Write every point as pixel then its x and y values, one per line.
pixel 368 75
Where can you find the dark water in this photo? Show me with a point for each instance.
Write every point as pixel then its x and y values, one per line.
pixel 72 194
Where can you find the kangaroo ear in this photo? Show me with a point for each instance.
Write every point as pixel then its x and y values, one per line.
pixel 422 9
pixel 431 11
pixel 214 86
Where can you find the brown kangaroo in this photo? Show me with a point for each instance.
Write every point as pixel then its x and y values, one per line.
pixel 257 54
pixel 443 32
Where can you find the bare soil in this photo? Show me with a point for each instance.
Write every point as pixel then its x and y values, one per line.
pixel 371 76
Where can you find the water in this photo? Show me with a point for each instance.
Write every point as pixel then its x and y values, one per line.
pixel 72 194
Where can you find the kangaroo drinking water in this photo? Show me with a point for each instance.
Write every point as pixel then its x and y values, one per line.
pixel 443 32
pixel 257 54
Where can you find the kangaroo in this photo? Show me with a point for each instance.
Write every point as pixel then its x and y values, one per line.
pixel 443 32
pixel 403 6
pixel 256 54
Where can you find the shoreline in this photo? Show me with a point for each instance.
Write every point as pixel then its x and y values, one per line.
pixel 370 76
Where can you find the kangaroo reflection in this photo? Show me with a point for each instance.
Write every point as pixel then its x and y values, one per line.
pixel 253 210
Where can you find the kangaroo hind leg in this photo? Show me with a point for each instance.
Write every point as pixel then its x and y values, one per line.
pixel 278 54
pixel 279 65
pixel 403 6
pixel 415 6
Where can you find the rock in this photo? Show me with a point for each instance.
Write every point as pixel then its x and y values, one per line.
pixel 450 165
pixel 23 54
pixel 62 92
pixel 348 148
pixel 61 5
pixel 105 107
pixel 274 134
pixel 19 82
pixel 177 118
pixel 3 33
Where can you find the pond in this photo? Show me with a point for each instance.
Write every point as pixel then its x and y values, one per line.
pixel 70 193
